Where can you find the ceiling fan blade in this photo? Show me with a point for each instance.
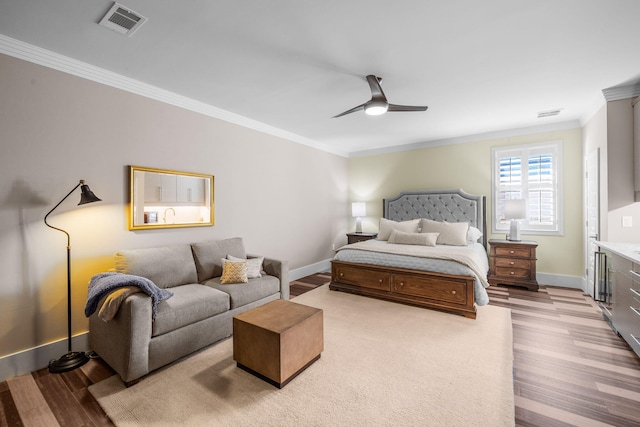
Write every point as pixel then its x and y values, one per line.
pixel 376 89
pixel 353 110
pixel 394 107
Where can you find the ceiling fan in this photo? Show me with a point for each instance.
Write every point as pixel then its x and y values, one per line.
pixel 378 103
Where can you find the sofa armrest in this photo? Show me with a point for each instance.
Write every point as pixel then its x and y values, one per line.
pixel 279 269
pixel 123 342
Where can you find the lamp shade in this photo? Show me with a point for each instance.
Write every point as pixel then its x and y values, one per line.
pixel 87 195
pixel 515 209
pixel 358 209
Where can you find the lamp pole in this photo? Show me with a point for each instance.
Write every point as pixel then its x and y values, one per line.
pixel 71 360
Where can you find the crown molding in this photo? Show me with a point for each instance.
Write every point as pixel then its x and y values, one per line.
pixel 46 58
pixel 566 125
pixel 617 93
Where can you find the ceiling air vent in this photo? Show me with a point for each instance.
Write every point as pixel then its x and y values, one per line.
pixel 122 20
pixel 549 113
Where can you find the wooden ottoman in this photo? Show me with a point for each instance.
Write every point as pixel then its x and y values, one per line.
pixel 278 340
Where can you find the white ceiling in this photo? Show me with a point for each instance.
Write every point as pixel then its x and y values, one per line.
pixel 481 66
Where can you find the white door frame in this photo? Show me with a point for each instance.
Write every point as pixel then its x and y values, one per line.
pixel 592 214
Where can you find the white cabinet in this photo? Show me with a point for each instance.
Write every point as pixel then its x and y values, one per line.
pixel 174 189
pixel 160 188
pixel 190 189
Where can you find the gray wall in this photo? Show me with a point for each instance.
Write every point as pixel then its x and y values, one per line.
pixel 285 199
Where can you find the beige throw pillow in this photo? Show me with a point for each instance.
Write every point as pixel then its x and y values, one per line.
pixel 387 225
pixel 451 233
pixel 254 265
pixel 233 272
pixel 423 239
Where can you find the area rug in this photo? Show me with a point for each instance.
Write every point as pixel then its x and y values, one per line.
pixel 384 364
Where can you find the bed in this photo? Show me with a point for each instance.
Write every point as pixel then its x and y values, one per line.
pixel 442 277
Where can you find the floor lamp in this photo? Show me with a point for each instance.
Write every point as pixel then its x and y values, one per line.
pixel 72 359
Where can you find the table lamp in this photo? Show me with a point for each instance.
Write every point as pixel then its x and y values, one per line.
pixel 515 210
pixel 358 210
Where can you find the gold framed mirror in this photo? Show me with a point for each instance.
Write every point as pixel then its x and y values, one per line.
pixel 161 198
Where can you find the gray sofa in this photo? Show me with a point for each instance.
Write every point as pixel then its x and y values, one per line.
pixel 198 314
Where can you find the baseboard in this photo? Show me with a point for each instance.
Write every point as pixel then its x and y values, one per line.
pixel 33 359
pixel 308 270
pixel 572 282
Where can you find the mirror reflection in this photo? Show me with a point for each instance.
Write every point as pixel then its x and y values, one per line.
pixel 163 198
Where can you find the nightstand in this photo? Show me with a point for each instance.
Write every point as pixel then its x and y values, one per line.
pixel 513 263
pixel 360 237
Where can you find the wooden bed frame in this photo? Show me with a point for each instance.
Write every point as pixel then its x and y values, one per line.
pixel 451 293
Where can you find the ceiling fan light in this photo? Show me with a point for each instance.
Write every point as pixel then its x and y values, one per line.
pixel 376 108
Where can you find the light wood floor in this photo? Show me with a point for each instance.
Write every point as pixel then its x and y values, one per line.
pixel 570 369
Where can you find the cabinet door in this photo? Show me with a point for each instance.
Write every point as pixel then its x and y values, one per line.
pixel 159 187
pixel 190 189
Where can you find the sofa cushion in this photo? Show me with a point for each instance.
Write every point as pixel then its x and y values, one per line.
pixel 246 293
pixel 189 304
pixel 208 255
pixel 166 266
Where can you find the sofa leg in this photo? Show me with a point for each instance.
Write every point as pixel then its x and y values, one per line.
pixel 128 384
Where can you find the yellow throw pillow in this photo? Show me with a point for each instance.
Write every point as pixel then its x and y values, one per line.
pixel 233 272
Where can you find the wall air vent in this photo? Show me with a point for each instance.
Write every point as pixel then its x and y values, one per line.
pixel 549 113
pixel 122 20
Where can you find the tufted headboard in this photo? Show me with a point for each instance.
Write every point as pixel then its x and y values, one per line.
pixel 438 205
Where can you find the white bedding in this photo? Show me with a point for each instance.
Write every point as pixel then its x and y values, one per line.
pixel 470 260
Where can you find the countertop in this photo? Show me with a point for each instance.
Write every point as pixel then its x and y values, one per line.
pixel 630 251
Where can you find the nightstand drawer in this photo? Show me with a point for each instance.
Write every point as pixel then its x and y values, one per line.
pixel 513 263
pixel 513 272
pixel 513 252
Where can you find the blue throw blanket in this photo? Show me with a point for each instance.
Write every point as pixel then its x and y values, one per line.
pixel 103 283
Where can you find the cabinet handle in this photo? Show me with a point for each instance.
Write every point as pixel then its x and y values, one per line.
pixel 453 292
pixel 341 274
pixel 635 274
pixel 512 273
pixel 634 292
pixel 511 263
pixel 380 281
pixel 635 310
pixel 511 252
pixel 635 339
pixel 401 284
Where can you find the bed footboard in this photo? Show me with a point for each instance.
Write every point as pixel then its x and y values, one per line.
pixel 439 291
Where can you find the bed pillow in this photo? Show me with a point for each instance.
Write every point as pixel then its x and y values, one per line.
pixel 451 233
pixel 233 272
pixel 473 235
pixel 422 239
pixel 387 225
pixel 254 265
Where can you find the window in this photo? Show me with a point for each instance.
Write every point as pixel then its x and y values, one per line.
pixel 530 172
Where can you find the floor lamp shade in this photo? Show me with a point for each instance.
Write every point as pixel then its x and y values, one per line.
pixel 72 359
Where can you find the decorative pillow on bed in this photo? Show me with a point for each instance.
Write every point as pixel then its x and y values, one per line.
pixel 387 225
pixel 473 235
pixel 451 233
pixel 423 239
pixel 254 265
pixel 233 272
